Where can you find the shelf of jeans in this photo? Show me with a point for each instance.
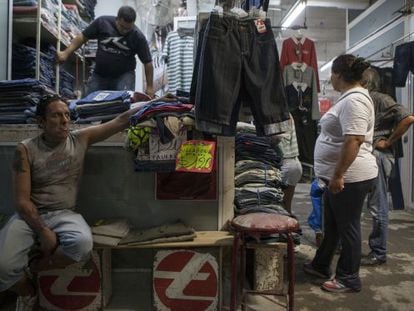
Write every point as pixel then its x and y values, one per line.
pixel 81 9
pixel 25 27
pixel 11 134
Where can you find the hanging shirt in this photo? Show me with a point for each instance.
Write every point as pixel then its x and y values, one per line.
pixel 304 78
pixel 301 51
pixel 178 54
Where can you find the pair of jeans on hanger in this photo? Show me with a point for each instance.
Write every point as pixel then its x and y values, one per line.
pixel 403 63
pixel 238 60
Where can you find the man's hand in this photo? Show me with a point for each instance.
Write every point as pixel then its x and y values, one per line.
pixel 150 92
pixel 61 57
pixel 48 241
pixel 382 144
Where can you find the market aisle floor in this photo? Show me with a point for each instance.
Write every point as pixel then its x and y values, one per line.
pixel 389 287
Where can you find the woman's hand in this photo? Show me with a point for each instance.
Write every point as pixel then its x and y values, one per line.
pixel 336 184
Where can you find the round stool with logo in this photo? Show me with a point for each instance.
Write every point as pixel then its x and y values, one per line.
pixel 258 224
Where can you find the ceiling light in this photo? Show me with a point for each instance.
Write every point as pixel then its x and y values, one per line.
pixel 293 13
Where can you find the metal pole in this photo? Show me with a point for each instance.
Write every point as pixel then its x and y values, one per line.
pixel 59 25
pixel 38 38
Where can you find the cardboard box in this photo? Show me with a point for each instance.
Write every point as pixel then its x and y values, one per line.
pixel 81 286
pixel 268 267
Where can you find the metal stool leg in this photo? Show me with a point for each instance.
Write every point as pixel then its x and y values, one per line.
pixel 233 301
pixel 291 271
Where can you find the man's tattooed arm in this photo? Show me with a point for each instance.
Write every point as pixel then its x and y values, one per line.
pixel 22 190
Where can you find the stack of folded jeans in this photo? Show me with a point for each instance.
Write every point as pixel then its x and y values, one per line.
pixel 18 100
pixel 100 106
pixel 88 7
pixel 258 179
pixel 24 66
pixel 251 147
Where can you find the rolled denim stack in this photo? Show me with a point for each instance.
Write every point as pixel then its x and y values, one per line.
pixel 18 100
pixel 71 22
pixel 100 106
pixel 24 66
pixel 258 179
pixel 89 7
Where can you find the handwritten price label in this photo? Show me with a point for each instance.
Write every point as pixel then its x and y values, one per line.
pixel 196 156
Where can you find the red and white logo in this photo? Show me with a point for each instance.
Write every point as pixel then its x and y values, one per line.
pixel 185 280
pixel 74 288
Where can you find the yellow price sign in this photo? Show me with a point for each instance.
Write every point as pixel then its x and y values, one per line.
pixel 196 156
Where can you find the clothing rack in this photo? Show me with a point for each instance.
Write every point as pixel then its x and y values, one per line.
pixel 390 46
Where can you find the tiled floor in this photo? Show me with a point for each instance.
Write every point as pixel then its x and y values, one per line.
pixel 389 287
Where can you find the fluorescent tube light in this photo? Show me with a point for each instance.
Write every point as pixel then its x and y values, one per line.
pixel 326 66
pixel 293 13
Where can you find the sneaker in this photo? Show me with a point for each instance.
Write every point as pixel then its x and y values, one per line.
pixel 371 260
pixel 309 269
pixel 334 286
pixel 26 303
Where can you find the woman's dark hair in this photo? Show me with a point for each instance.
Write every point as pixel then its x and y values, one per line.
pixel 45 101
pixel 127 13
pixel 349 67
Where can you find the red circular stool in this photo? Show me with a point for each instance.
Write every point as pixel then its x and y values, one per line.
pixel 257 224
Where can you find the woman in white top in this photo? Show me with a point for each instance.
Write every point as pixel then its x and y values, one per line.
pixel 344 161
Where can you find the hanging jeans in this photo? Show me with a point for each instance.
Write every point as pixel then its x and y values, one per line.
pixel 378 205
pixel 342 222
pixel 238 56
pixel 403 63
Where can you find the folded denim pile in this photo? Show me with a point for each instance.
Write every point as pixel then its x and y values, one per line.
pixel 71 22
pixel 100 106
pixel 18 100
pixel 258 179
pixel 24 66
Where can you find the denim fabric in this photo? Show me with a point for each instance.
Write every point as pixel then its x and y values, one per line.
pixel 251 147
pixel 16 97
pixel 268 178
pixel 378 205
pixel 315 217
pixel 125 81
pixel 17 238
pixel 342 222
pixel 403 63
pixel 236 58
pixel 103 96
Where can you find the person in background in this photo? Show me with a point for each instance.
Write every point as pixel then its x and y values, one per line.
pixel 119 40
pixel 46 172
pixel 344 161
pixel 291 168
pixel 392 120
